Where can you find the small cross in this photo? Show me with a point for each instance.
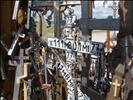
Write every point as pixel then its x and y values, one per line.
pixel 116 84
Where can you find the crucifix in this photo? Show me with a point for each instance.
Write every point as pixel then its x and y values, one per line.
pixel 116 84
pixel 20 72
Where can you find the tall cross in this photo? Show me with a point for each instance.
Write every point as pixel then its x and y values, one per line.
pixel 116 84
pixel 19 72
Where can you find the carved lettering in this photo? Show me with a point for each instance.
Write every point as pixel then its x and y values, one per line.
pixel 60 66
pixel 84 48
pixel 74 46
pixel 62 43
pixel 69 45
pixel 51 43
pixel 55 42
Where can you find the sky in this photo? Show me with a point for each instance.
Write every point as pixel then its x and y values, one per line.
pixel 103 12
pixel 99 11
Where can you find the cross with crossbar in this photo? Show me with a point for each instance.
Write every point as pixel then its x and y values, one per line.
pixel 116 84
pixel 19 62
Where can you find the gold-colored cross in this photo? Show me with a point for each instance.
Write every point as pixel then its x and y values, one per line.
pixel 116 84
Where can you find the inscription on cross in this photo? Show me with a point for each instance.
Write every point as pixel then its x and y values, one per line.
pixel 70 41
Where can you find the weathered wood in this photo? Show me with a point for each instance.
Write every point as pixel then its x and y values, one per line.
pixel 126 15
pixel 43 3
pixel 128 83
pixel 18 74
pixel 25 91
pixel 57 19
pixel 25 74
pixel 108 40
pixel 100 24
pixel 86 14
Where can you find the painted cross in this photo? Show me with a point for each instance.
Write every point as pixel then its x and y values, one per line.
pixel 71 44
pixel 25 91
pixel 67 76
pixel 87 47
pixel 71 48
pixel 71 32
pixel 116 84
pixel 19 72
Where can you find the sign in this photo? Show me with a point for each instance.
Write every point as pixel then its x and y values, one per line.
pixel 81 47
pixel 69 45
pixel 70 59
pixel 71 85
pixel 84 47
pixel 88 47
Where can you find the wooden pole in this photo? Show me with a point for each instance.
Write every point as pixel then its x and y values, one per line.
pixel 57 18
pixel 108 40
pixel 40 25
pixel 86 14
pixel 25 91
pixel 91 9
pixel 25 75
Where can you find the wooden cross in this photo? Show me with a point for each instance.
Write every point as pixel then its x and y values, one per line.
pixel 25 74
pixel 116 84
pixel 19 72
pixel 25 91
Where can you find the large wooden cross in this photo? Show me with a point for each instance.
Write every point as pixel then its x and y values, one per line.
pixel 19 72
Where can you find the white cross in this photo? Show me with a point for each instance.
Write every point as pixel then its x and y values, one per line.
pixel 116 84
